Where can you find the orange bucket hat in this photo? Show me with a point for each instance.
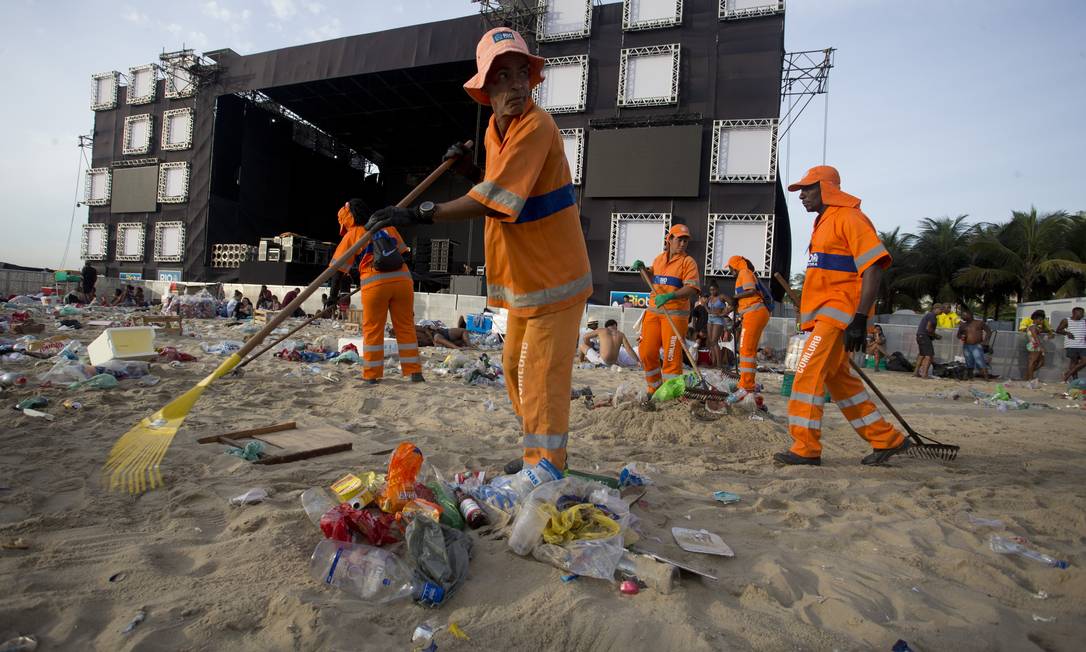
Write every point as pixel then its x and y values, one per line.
pixel 829 181
pixel 496 42
pixel 739 262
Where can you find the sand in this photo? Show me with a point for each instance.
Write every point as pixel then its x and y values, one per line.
pixel 841 557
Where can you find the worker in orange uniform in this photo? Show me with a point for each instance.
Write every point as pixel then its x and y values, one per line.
pixel 536 258
pixel 386 288
pixel 674 281
pixel 844 268
pixel 755 315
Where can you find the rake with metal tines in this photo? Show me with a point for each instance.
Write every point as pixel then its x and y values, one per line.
pixel 705 394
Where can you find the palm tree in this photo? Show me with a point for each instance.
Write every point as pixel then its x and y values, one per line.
pixel 940 249
pixel 891 295
pixel 1030 251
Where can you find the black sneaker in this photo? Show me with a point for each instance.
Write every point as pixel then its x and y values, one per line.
pixel 417 377
pixel 788 457
pixel 881 456
pixel 372 381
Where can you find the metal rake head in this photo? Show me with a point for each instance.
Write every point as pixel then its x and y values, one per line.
pixel 946 452
pixel 704 394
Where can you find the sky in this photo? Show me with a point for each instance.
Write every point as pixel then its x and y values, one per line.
pixel 935 108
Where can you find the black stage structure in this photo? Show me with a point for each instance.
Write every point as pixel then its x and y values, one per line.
pixel 279 140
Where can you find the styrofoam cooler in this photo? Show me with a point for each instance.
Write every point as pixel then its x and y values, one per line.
pixel 133 343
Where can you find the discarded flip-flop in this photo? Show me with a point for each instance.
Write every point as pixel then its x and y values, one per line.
pixel 702 541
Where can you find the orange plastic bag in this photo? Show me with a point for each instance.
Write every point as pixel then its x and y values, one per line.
pixel 400 484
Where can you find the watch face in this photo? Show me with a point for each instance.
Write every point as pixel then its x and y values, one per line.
pixel 426 206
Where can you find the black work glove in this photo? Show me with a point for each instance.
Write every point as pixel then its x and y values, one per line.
pixel 333 290
pixel 396 216
pixel 856 333
pixel 464 166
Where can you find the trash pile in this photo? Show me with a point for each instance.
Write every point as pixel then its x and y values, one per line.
pixel 1001 399
pixel 201 305
pixel 480 372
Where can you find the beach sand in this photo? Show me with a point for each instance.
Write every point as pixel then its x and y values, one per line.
pixel 841 557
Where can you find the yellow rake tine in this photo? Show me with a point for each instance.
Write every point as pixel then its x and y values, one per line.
pixel 138 468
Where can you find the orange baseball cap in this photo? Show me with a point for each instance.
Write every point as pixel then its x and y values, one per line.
pixel 679 231
pixel 815 175
pixel 496 42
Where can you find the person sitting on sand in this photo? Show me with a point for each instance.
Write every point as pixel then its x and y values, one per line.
pixel 264 299
pixel 244 309
pixel 449 338
pixel 615 347
pixel 141 300
pixel 118 298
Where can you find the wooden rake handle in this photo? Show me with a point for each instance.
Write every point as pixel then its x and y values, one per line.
pixel 675 330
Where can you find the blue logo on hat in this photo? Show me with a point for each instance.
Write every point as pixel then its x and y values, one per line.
pixel 503 36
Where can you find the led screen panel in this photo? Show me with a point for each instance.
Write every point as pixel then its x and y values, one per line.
pixel 644 162
pixel 134 190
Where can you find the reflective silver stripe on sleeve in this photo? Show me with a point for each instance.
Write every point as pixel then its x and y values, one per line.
pixel 384 277
pixel 745 288
pixel 809 399
pixel 693 282
pixel 499 195
pixel 828 311
pixel 855 399
pixel 870 254
pixel 812 424
pixel 547 442
pixel 542 297
pixel 372 347
pixel 373 363
pixel 866 420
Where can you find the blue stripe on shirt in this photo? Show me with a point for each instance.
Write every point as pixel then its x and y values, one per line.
pixel 547 204
pixel 673 281
pixel 832 262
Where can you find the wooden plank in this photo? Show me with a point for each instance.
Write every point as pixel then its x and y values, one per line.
pixel 305 454
pixel 250 433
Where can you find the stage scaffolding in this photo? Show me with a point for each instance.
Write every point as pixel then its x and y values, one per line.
pixel 804 75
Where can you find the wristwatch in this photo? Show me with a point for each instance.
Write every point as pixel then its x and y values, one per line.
pixel 426 212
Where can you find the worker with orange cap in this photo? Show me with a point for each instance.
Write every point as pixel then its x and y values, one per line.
pixel 385 288
pixel 536 258
pixel 844 268
pixel 674 277
pixel 751 297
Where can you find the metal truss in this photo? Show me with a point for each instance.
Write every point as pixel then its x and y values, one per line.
pixel 720 151
pixel 168 143
pixel 616 225
pixel 518 15
pixel 728 10
pixel 160 227
pixel 805 75
pixel 199 71
pixel 555 62
pixel 129 147
pixel 629 54
pixel 109 102
pixel 541 24
pixel 85 251
pixel 163 174
pixel 134 162
pixel 439 255
pixel 124 232
pixel 88 193
pixel 665 120
pixel 720 268
pixel 577 164
pixel 149 96
pixel 630 24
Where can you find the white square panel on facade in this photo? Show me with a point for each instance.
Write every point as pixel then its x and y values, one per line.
pixel 169 241
pixel 561 20
pixel 744 151
pixel 564 86
pixel 177 129
pixel 736 9
pixel 94 242
pixel 573 142
pixel 137 134
pixel 636 236
pixel 649 76
pixel 142 84
pixel 97 188
pixel 180 81
pixel 651 14
pixel 732 234
pixel 130 241
pixel 104 91
pixel 173 182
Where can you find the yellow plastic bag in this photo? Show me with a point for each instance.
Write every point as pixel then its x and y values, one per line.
pixel 585 522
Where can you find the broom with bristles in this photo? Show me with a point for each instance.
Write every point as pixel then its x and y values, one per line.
pixel 134 461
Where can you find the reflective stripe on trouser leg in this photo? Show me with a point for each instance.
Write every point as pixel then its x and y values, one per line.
pixel 850 395
pixel 649 350
pixel 754 322
pixel 547 344
pixel 805 405
pixel 375 299
pixel 402 308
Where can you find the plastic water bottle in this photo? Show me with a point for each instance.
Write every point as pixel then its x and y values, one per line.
pixel 518 486
pixel 528 529
pixel 370 573
pixel 316 502
pixel 1008 547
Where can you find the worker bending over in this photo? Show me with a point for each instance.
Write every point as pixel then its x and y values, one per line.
pixel 674 278
pixel 751 297
pixel 386 288
pixel 844 268
pixel 536 259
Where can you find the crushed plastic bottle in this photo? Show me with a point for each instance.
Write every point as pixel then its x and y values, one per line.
pixel 369 573
pixel 1005 546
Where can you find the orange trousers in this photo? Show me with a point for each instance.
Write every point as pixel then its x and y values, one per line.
pixel 656 335
pixel 824 364
pixel 398 298
pixel 754 322
pixel 538 361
